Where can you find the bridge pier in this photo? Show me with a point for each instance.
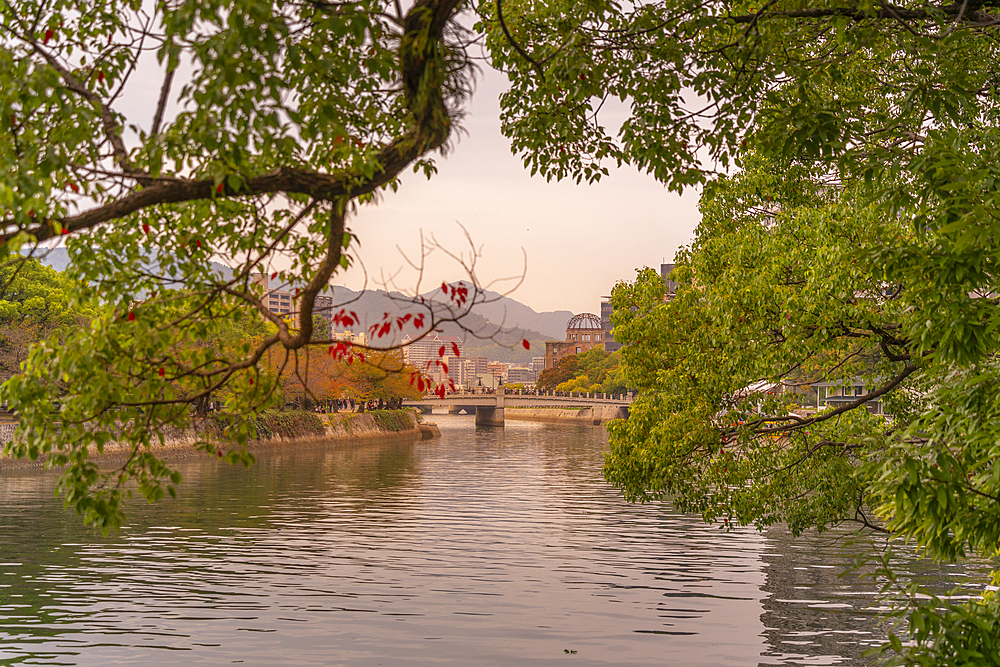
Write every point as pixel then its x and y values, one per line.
pixel 454 409
pixel 489 416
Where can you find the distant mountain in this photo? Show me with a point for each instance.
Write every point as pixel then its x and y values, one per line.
pixel 507 312
pixel 58 259
pixel 493 329
pixel 489 337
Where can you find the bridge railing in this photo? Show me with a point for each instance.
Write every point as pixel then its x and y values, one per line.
pixel 552 395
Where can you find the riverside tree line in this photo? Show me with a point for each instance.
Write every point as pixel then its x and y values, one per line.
pixel 39 305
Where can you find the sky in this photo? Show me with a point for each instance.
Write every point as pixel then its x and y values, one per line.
pixel 570 243
pixel 578 240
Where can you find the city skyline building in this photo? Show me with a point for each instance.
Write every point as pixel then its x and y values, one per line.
pixel 283 302
pixel 610 344
pixel 423 352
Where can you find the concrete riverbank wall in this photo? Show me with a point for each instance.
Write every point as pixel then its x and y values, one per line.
pixel 339 429
pixel 593 415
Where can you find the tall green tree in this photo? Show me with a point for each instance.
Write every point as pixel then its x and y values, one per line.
pixel 271 122
pixel 38 302
pixel 848 154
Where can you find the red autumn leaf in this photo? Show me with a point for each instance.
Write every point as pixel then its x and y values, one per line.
pixel 197 242
pixel 444 287
pixel 73 186
pixel 444 366
pixel 162 372
pixel 218 188
pixel 526 344
pixel 65 231
pixel 100 75
pixel 441 351
pixel 251 382
pixel 361 356
pixel 48 36
pixel 420 384
pixel 131 316
pixel 145 228
pixel 274 275
pixel 440 391
pixel 454 348
pixel 451 383
pixel 413 378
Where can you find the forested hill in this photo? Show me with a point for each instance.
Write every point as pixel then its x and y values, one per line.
pixel 507 312
pixel 493 330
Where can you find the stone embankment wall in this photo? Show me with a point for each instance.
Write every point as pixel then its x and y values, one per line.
pixel 597 415
pixel 323 430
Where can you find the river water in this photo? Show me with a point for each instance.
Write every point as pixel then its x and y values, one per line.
pixel 485 547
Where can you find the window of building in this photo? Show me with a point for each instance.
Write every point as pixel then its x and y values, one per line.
pixel 578 350
pixel 597 337
pixel 586 337
pixel 858 391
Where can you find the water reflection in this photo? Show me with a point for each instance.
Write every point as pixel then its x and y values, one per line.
pixel 486 547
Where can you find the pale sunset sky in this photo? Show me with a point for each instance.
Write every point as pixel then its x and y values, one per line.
pixel 579 239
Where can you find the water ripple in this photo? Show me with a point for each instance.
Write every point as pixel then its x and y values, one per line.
pixel 486 547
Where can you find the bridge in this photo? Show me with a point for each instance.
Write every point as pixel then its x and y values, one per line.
pixel 489 408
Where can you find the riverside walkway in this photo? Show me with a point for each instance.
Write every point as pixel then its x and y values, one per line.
pixel 489 408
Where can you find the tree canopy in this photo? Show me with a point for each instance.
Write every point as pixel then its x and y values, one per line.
pixel 592 371
pixel 38 302
pixel 847 153
pixel 268 125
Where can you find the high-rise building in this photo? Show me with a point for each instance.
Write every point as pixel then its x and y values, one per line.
pixel 517 375
pixel 670 285
pixel 478 365
pixel 610 344
pixel 283 302
pixel 538 364
pixel 498 370
pixel 418 352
